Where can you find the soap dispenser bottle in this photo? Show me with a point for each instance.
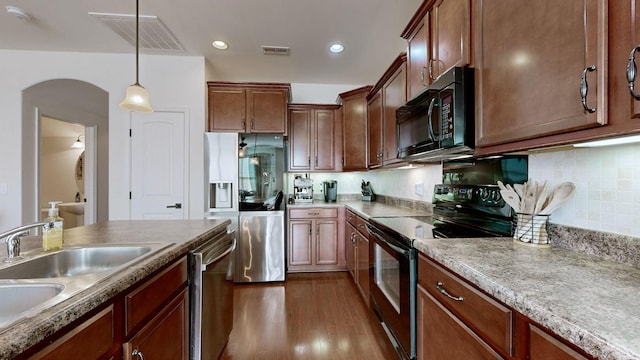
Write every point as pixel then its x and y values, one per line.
pixel 52 236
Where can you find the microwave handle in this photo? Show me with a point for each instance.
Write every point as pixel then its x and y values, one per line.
pixel 432 104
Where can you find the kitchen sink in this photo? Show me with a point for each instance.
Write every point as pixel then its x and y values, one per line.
pixel 74 262
pixel 20 298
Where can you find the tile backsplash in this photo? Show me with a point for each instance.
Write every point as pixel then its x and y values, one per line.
pixel 607 180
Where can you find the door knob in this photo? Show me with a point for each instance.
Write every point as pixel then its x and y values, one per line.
pixel 176 206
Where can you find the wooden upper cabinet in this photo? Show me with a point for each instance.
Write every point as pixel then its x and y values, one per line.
pixel 354 129
pixel 418 53
pixel 248 107
pixel 394 95
pixel 450 36
pixel 438 38
pixel 387 95
pixel 315 137
pixel 375 126
pixel 529 69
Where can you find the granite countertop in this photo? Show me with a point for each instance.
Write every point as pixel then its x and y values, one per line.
pixel 591 302
pixel 180 235
pixel 366 209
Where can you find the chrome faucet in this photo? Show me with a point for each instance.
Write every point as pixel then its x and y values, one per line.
pixel 13 237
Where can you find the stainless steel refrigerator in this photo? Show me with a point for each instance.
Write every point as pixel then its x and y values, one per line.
pixel 246 186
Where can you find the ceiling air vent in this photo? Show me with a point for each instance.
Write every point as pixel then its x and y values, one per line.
pixel 153 34
pixel 275 50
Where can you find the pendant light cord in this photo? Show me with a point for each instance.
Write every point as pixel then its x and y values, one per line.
pixel 137 45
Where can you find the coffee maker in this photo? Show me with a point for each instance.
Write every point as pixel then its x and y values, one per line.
pixel 330 190
pixel 302 190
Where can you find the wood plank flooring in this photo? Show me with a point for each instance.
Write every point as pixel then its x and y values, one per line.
pixel 310 316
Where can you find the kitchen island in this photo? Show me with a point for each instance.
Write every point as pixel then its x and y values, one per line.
pixel 180 236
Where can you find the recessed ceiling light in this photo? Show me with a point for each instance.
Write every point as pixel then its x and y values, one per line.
pixel 336 48
pixel 17 12
pixel 219 44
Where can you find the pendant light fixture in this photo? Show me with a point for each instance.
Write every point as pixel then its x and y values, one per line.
pixel 78 144
pixel 137 97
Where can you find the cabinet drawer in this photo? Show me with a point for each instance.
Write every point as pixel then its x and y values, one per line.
pixel 546 346
pixel 359 223
pixel 144 301
pixel 481 313
pixel 316 212
pixel 93 339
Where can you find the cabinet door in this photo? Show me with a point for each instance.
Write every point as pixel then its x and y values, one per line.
pixel 227 109
pixel 545 346
pixel 362 253
pixel 267 110
pixel 417 56
pixel 92 339
pixel 374 119
pixel 324 147
pixel 300 246
pixel 166 336
pixel 635 41
pixel 300 139
pixel 327 242
pixel 528 86
pixel 354 120
pixel 443 336
pixel 450 36
pixel 394 95
pixel 350 249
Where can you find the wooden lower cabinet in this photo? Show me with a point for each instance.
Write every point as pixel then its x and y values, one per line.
pixel 456 320
pixel 93 339
pixel 444 336
pixel 316 241
pixel 543 345
pixel 357 252
pixel 166 336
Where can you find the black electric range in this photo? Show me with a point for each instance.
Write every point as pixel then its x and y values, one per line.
pixel 460 211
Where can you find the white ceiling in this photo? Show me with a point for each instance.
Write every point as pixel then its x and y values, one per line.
pixel 369 30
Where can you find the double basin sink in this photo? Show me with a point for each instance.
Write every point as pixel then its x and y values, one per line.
pixel 42 280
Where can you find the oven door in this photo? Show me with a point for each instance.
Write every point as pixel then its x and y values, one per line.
pixel 393 283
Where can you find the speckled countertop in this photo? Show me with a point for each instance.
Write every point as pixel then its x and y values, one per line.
pixel 180 235
pixel 591 302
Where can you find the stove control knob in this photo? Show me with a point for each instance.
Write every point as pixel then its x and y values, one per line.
pixel 484 194
pixel 495 196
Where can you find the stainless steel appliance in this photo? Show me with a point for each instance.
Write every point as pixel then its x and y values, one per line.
pixel 261 252
pixel 463 208
pixel 330 190
pixel 261 247
pixel 211 296
pixel 438 124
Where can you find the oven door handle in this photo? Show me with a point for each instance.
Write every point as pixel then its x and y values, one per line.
pixel 395 248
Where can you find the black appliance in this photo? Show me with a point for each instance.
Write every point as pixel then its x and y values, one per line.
pixel 438 124
pixel 464 207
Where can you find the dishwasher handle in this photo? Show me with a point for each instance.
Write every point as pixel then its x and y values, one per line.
pixel 207 260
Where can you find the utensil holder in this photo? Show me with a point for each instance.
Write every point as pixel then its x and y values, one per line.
pixel 532 229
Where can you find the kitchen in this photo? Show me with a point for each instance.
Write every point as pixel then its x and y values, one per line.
pixel 605 201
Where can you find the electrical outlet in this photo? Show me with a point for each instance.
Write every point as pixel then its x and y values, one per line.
pixel 419 189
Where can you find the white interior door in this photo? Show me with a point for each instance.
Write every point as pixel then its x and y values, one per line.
pixel 159 165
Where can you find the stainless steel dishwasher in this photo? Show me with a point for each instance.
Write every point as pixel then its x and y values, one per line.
pixel 211 268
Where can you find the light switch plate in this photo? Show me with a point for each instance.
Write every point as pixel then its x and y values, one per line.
pixel 419 189
pixel 4 189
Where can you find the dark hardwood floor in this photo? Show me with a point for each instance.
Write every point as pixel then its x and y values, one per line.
pixel 310 316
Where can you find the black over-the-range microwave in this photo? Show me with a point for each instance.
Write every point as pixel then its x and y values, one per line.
pixel 438 124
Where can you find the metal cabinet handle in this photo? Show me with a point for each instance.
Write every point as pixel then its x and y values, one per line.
pixel 137 353
pixel 176 206
pixel 316 161
pixel 431 69
pixel 309 160
pixel 432 135
pixel 422 75
pixel 445 293
pixel 631 72
pixel 584 89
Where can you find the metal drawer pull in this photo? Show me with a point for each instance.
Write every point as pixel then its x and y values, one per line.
pixel 137 353
pixel 584 88
pixel 631 72
pixel 446 293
